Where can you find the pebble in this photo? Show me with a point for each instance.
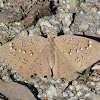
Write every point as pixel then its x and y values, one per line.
pixel 98 83
pixel 78 87
pixel 15 91
pixel 97 89
pixel 88 1
pixel 70 94
pixel 98 31
pixel 24 33
pixel 74 82
pixel 79 94
pixel 40 91
pixel 44 95
pixel 65 94
pixel 1 3
pixel 93 97
pixel 34 31
pixel 51 92
pixel 36 85
pixel 54 20
pixel 43 86
pixel 40 96
pixel 73 98
pixel 83 27
pixel 95 67
pixel 71 87
pixel 87 95
pixel 2 25
pixel 43 22
pixel 6 78
pixel 1 68
pixel 81 87
pixel 94 10
pixel 17 23
pixel 98 12
pixel 94 78
pixel 82 99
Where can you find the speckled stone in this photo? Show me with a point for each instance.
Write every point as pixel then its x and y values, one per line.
pixel 65 94
pixel 15 91
pixel 51 92
pixel 98 31
pixel 79 93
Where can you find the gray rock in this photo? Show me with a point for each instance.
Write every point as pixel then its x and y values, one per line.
pixel 81 87
pixel 70 94
pixel 93 97
pixel 65 94
pixel 51 92
pixel 96 67
pixel 24 33
pixel 34 31
pixel 15 91
pixel 98 31
pixel 83 27
pixel 79 93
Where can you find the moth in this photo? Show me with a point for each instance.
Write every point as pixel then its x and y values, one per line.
pixel 50 57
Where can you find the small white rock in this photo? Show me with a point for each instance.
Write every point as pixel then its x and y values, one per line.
pixel 44 22
pixel 6 78
pixel 98 31
pixel 71 87
pixel 81 87
pixel 51 92
pixel 98 83
pixel 94 10
pixel 24 33
pixel 95 67
pixel 32 31
pixel 18 23
pixel 93 97
pixel 93 78
pixel 65 94
pixel 40 96
pixel 53 21
pixel 44 94
pixel 79 93
pixel 73 98
pixel 36 85
pixel 78 87
pixel 91 83
pixel 82 99
pixel 74 82
pixel 66 29
pixel 83 26
pixel 98 12
pixel 87 94
pixel 1 3
pixel 70 94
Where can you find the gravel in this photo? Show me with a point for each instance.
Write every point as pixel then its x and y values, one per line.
pixel 80 19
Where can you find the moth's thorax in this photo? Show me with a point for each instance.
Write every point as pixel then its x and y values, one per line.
pixel 51 51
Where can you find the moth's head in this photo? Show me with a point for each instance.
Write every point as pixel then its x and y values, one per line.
pixel 51 35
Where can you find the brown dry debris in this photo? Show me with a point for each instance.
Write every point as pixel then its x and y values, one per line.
pixel 38 11
pixel 27 15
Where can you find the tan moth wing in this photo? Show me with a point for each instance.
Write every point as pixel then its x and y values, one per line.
pixel 74 54
pixel 27 56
